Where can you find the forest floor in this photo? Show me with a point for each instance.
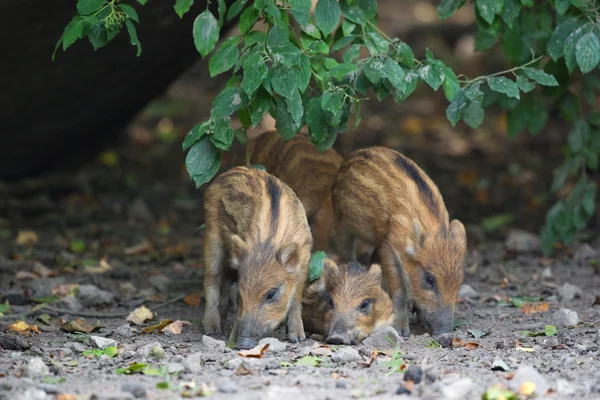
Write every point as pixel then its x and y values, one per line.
pixel 124 232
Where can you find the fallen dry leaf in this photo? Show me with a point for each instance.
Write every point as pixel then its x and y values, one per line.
pixel 532 308
pixel 596 301
pixel 193 299
pixel 78 326
pixel 178 249
pixel 256 352
pixel 140 315
pixel 509 376
pixel 176 327
pixel 23 327
pixel 65 290
pixel 158 327
pixel 526 349
pixel 66 396
pixel 527 388
pixel 372 358
pixel 23 275
pixel 143 247
pixel 472 345
pixel 456 342
pixel 242 370
pixel 102 267
pixel 27 238
pixel 41 270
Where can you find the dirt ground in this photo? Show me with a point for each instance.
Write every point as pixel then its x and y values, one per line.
pixel 125 229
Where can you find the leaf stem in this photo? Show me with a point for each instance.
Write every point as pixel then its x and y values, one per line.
pixel 480 78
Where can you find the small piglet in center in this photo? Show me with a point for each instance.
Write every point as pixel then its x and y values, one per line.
pixel 255 225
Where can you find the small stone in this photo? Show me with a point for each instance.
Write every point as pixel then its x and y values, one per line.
pixel 102 342
pixel 526 373
pixel 445 339
pixel 341 384
pixel 584 254
pixel 175 367
pixel 36 368
pixel 212 344
pixel 467 292
pixel 500 365
pixel 413 373
pixel 11 342
pixel 546 273
pixel 146 350
pixel 598 338
pixel 124 331
pixel 135 388
pixel 31 393
pixel 158 353
pixel 403 390
pixel 458 390
pixel 15 355
pixel 234 363
pixel 70 303
pixel 192 363
pixel 48 388
pixel 565 317
pixel 569 291
pixel 75 347
pixel 383 338
pixel 320 352
pixel 127 291
pixel 430 377
pixel 104 358
pixel 274 344
pixel 226 386
pixel 138 210
pixel 346 355
pixel 522 241
pixel 564 387
pixel 91 295
pixel 160 282
pixel 550 342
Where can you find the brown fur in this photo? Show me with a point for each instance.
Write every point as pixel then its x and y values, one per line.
pixel 256 225
pixel 308 172
pixel 384 199
pixel 331 306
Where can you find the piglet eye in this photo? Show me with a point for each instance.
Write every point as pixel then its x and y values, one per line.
pixel 329 302
pixel 271 294
pixel 430 279
pixel 365 305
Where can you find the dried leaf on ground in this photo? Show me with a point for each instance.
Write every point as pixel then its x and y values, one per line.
pixel 472 345
pixel 24 275
pixel 193 299
pixel 102 267
pixel 532 308
pixel 527 388
pixel 176 327
pixel 65 290
pixel 45 319
pixel 27 238
pixel 41 270
pixel 23 327
pixel 456 342
pixel 158 327
pixel 79 326
pixel 242 370
pixel 140 315
pixel 178 249
pixel 66 396
pixel 256 352
pixel 372 358
pixel 143 247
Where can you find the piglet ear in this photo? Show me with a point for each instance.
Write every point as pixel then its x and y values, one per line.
pixel 415 239
pixel 238 250
pixel 330 269
pixel 458 234
pixel 375 272
pixel 288 256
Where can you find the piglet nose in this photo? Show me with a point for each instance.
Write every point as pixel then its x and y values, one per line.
pixel 245 343
pixel 337 338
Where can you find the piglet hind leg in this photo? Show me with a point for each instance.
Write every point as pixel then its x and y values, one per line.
pixel 295 326
pixel 213 278
pixel 396 286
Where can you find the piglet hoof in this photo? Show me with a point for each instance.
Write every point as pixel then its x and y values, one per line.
pixel 295 338
pixel 403 327
pixel 212 323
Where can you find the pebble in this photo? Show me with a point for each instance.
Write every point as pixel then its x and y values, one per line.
pixel 158 352
pixel 175 367
pixel 546 273
pixel 135 388
pixel 403 390
pixel 11 342
pixel 346 355
pixel 31 394
pixel 91 295
pixel 15 355
pixel 564 318
pixel 522 241
pixel 526 373
pixel 124 331
pixel 550 342
pixel 102 342
pixel 569 291
pixel 192 363
pixel 212 344
pixel 160 282
pixel 70 303
pixel 48 388
pixel 146 350
pixel 36 368
pixel 341 384
pixel 584 254
pixel 467 292
pixel 445 339
pixel 378 339
pixel 127 291
pixel 458 390
pixel 500 365
pixel 226 386
pixel 598 338
pixel 75 347
pixel 274 344
pixel 413 373
pixel 564 387
pixel 320 352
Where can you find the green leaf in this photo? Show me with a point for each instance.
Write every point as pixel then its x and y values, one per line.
pixel 527 3
pixel 277 37
pixel 550 330
pixel 133 36
pixel 206 33
pixel 195 134
pixel 449 7
pixel 142 2
pixel 456 108
pixel 376 44
pixel 327 15
pixel 493 223
pixel 487 9
pixel 130 12
pixel 72 32
pixel 226 103
pixel 309 361
pixel 348 27
pixel 182 6
pixel 374 70
pixel 200 160
pixel 594 118
pixel 571 45
pixel 511 11
pixel 341 70
pixel 587 52
pixel 578 135
pixel 557 42
pixel 223 134
pixel 248 19
pixel 561 6
pixel 222 11
pixel 260 104
pixel 284 80
pixel 288 55
pixel 284 121
pixel 525 84
pixel 405 55
pixel 432 75
pixel 352 53
pixel 87 7
pixel 473 115
pixel 315 268
pixel 311 30
pixel 504 85
pixel 394 73
pixel 343 42
pixel 589 198
pixel 450 83
pixel 294 106
pixel 255 71
pixel 235 9
pixel 315 118
pixel 300 5
pixel 224 59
